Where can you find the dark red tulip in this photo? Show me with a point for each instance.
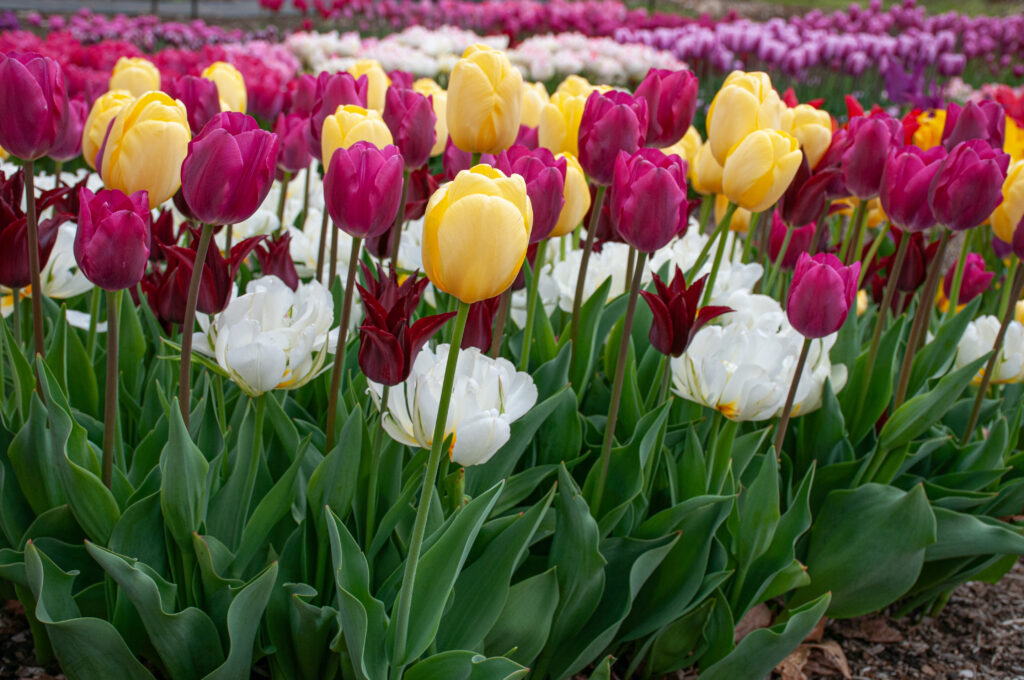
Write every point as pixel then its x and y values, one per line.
pixel 199 95
pixel 410 117
pixel 14 270
pixel 799 241
pixel 34 105
pixel 363 188
pixel 648 198
pixel 983 120
pixel 276 260
pixel 215 285
pixel 112 240
pixel 805 199
pixel 545 184
pixel 162 233
pixel 479 331
pixel 671 102
pixel 906 180
pixel 293 154
pixel 976 279
pixel 611 122
pixel 821 295
pixel 333 90
pixel 968 185
pixel 69 145
pixel 870 138
pixel 677 314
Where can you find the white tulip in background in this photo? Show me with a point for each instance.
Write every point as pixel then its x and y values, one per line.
pixel 487 396
pixel 980 338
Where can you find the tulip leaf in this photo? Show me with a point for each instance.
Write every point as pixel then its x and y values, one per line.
pixel 333 481
pixel 603 670
pixel 525 620
pixel 140 532
pixel 184 485
pixel 961 535
pixel 243 622
pixel 864 405
pixel 131 347
pixel 936 357
pixel 675 646
pixel 587 336
pixel 230 505
pixel 23 379
pixel 36 477
pixel 464 665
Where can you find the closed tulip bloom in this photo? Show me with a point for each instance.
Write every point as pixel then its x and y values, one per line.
pixel 760 169
pixel 686 148
pixel 485 96
pixel 535 96
pixel 69 145
pixel 559 127
pixel 275 259
pixel 230 85
pixel 677 314
pixel 671 102
pixel 870 139
pixel 976 279
pixel 924 129
pixel 200 97
pixel 135 75
pixel 746 102
pixel 464 260
pixel 1008 214
pixel 103 110
pixel 799 241
pixel 145 147
pixel 812 128
pixel 34 106
pixel 333 91
pixel 293 151
pixel 805 198
pixel 1014 142
pixel 705 172
pixel 167 297
pixel 351 124
pixel 410 117
pixel 545 185
pixel 112 240
pixel 821 295
pixel 906 180
pixel 575 85
pixel 648 198
pixel 985 120
pixel 612 122
pixel 363 188
pixel 377 82
pixel 968 185
pixel 439 101
pixel 229 169
pixel 576 196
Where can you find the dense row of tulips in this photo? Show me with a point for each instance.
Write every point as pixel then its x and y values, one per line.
pixel 495 460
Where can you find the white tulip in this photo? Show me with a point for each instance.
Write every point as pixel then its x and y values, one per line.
pixel 980 338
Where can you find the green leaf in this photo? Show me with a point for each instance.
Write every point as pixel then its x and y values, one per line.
pixel 590 317
pixel 935 358
pixel 603 670
pixel 36 476
pixel 244 616
pixel 333 481
pixel 230 505
pixel 861 414
pixel 23 379
pixel 131 347
pixel 676 645
pixel 758 508
pixel 525 620
pixel 961 535
pixel 184 486
pixel 463 665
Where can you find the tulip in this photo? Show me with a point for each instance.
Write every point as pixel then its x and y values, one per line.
pixel 94 131
pixel 377 82
pixel 800 239
pixel 230 85
pixel 484 101
pixel 34 106
pixel 611 122
pixel 812 128
pixel 163 233
pixel 229 169
pixel 671 102
pixel 410 118
pixel 575 85
pixel 112 240
pixel 559 127
pixel 980 337
pixel 302 93
pixel 870 139
pixel 1008 214
pixel 576 197
pixel 984 120
pixel 740 222
pixel 293 154
pixel 333 91
pixel 535 96
pixel 135 75
pixel 351 124
pixel 821 295
pixel 463 260
pixel 924 129
pixel 677 314
pixel 200 97
pixel 14 250
pixel 479 331
pixel 967 187
pixel 760 168
pixel 648 199
pixel 145 147
pixel 686 148
pixel 806 198
pixel 705 172
pixel 363 188
pixel 454 161
pixel 276 260
pixel 545 177
pixel 69 145
pixel 1014 143
pixel 905 184
pixel 745 103
pixel 439 101
pixel 216 278
pixel 975 279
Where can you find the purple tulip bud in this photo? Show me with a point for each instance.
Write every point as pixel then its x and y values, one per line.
pixel 332 91
pixel 648 198
pixel 69 145
pixel 303 95
pixel 671 102
pixel 799 240
pixel 112 240
pixel 229 169
pixel 908 176
pixel 410 117
pixel 291 139
pixel 821 295
pixel 975 278
pixel 985 120
pixel 199 95
pixel 611 122
pixel 968 185
pixel 454 160
pixel 805 199
pixel 275 260
pixel 869 141
pixel 34 104
pixel 363 188
pixel 545 184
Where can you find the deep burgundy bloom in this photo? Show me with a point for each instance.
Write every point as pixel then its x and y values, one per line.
pixel 333 90
pixel 905 183
pixel 388 344
pixel 14 271
pixel 545 184
pixel 199 95
pixel 168 297
pixel 276 260
pixel 677 313
pixel 648 198
pixel 363 188
pixel 162 233
pixel 410 117
pixel 671 102
pixel 975 279
pixel 112 239
pixel 69 145
pixel 968 185
pixel 869 141
pixel 805 199
pixel 420 186
pixel 612 122
pixel 293 154
pixel 479 331
pixel 821 295
pixel 34 105
pixel 983 120
pixel 799 241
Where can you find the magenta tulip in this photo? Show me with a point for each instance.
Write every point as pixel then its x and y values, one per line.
pixel 333 90
pixel 363 188
pixel 69 145
pixel 805 199
pixel 906 180
pixel 985 120
pixel 34 105
pixel 648 198
pixel 112 241
pixel 612 122
pixel 199 95
pixel 671 102
pixel 799 241
pixel 976 279
pixel 821 295
pixel 545 184
pixel 302 95
pixel 293 152
pixel 868 142
pixel 968 185
pixel 410 117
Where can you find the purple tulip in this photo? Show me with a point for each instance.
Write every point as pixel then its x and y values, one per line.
pixel 454 160
pixel 112 240
pixel 229 169
pixel 975 279
pixel 303 95
pixel 985 120
pixel 869 141
pixel 821 295
pixel 69 145
pixel 333 90
pixel 806 197
pixel 291 138
pixel 545 184
pixel 410 117
pixel 799 241
pixel 363 188
pixel 275 260
pixel 968 185
pixel 34 105
pixel 1018 240
pixel 200 98
pixel 611 122
pixel 648 198
pixel 671 102
pixel 906 180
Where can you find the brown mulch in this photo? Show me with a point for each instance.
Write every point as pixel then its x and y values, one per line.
pixel 17 654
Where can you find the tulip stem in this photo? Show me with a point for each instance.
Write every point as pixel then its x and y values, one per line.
pixel 706 204
pixel 110 388
pixel 339 351
pixel 322 251
pixel 777 264
pixel 371 488
pixel 872 252
pixel 280 202
pixel 1005 298
pixel 502 317
pixel 787 410
pixel 748 242
pixel 32 236
pixel 334 258
pixel 958 277
pixel 620 372
pixel 396 229
pixel 581 278
pixel 853 237
pixel 305 197
pixel 16 314
pixel 658 398
pixel 531 304
pixel 404 603
pixel 716 265
pixel 921 318
pixel 187 326
pixel 883 311
pixel 720 230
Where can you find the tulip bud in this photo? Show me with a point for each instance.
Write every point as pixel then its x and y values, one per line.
pixel 1009 213
pixel 975 280
pixel 484 101
pixel 103 110
pixel 671 102
pixel 34 105
pixel 293 154
pixel 351 124
pixel 677 314
pixel 535 96
pixel 870 139
pixel 332 92
pixel 575 85
pixel 968 185
pixel 799 241
pixel 648 198
pixel 200 97
pixel 135 75
pixel 821 294
pixel 760 168
pixel 229 169
pixel 145 147
pixel 410 118
pixel 69 145
pixel 746 102
pixel 377 82
pixel 812 128
pixel 112 239
pixel 363 188
pixel 906 180
pixel 230 85
pixel 558 129
pixel 705 172
pixel 276 260
pixel 439 101
pixel 479 331
pixel 611 122
pixel 805 199
pixel 576 196
pixel 984 120
pixel 545 185
pixel 302 93
pixel 464 260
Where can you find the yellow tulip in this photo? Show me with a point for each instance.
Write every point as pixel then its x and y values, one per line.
pixel 740 221
pixel 102 112
pixel 145 147
pixel 136 75
pixel 351 124
pixel 577 197
pixel 705 172
pixel 3 154
pixel 485 98
pixel 1013 143
pixel 377 82
pixel 1018 312
pixel 746 102
pixel 759 169
pixel 874 215
pixel 575 85
pixel 1007 216
pixel 439 99
pixel 862 301
pixel 811 127
pixel 929 129
pixel 476 232
pixel 230 85
pixel 559 128
pixel 687 148
pixel 535 96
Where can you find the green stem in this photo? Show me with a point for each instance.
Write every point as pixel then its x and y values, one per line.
pixel 334 258
pixel 531 304
pixel 339 352
pixel 396 228
pixel 305 197
pixel 218 393
pixel 958 277
pixel 404 602
pixel 371 488
pixel 748 242
pixel 474 159
pixel 261 406
pixel 581 278
pixel 872 252
pixel 1004 297
pixel 661 379
pixel 787 410
pixel 188 325
pixel 110 387
pixel 501 318
pixel 706 204
pixel 720 231
pixel 716 264
pixel 321 252
pixel 777 264
pixel 16 315
pixel 883 311
pixel 280 202
pixel 854 236
pixel 32 235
